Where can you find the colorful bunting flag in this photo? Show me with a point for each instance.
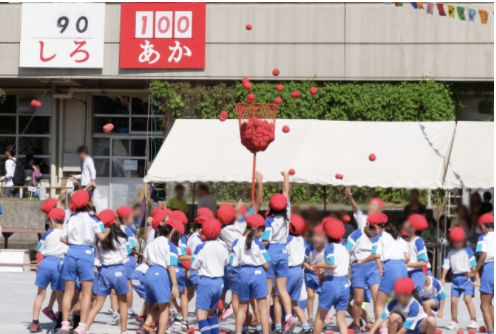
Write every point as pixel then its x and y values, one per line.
pixel 461 12
pixel 414 5
pixel 420 5
pixel 398 4
pixel 451 11
pixel 430 8
pixel 483 15
pixel 472 13
pixel 440 8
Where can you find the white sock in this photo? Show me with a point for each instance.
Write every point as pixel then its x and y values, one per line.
pixel 287 317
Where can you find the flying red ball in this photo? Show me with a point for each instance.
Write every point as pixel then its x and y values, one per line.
pixel 35 104
pixel 247 85
pixel 372 157
pixel 108 127
pixel 291 171
pixel 250 98
pixel 275 72
pixel 339 176
pixel 313 90
pixel 245 79
pixel 279 88
pixel 277 100
pixel 223 115
pixel 249 26
pixel 285 129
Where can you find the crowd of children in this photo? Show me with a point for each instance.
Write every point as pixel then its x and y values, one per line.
pixel 264 261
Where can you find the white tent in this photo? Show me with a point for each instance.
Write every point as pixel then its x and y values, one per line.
pixel 409 154
pixel 471 163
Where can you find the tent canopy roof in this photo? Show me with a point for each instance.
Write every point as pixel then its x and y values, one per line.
pixel 409 154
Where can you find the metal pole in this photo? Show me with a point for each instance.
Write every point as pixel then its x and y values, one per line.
pixel 325 201
pixel 253 178
pixel 437 249
pixel 192 216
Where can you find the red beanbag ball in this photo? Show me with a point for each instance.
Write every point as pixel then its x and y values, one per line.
pixel 438 331
pixel 250 98
pixel 296 94
pixel 482 329
pixel 256 135
pixel 279 88
pixel 372 157
pixel 313 90
pixel 291 171
pixel 249 26
pixel 108 127
pixel 285 129
pixel 247 85
pixel 277 100
pixel 223 116
pixel 339 176
pixel 245 79
pixel 275 72
pixel 35 104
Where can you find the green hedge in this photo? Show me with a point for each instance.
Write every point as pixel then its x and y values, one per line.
pixel 362 101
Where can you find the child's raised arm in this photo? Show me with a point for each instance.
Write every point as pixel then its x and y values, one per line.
pixel 285 184
pixel 259 198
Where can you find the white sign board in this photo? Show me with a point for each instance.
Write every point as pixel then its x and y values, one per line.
pixel 130 164
pixel 62 35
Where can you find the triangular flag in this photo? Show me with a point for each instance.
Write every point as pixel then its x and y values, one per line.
pixel 472 13
pixel 451 11
pixel 461 13
pixel 420 5
pixel 430 8
pixel 398 4
pixel 483 15
pixel 414 5
pixel 440 8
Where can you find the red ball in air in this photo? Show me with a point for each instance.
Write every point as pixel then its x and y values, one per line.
pixel 250 98
pixel 247 85
pixel 482 329
pixel 249 26
pixel 313 90
pixel 438 331
pixel 339 176
pixel 372 157
pixel 275 72
pixel 279 88
pixel 245 79
pixel 223 115
pixel 108 127
pixel 35 104
pixel 285 129
pixel 277 100
pixel 291 171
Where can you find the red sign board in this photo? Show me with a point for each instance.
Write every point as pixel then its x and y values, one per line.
pixel 162 35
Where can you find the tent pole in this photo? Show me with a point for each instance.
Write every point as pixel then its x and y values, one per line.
pixel 438 250
pixel 192 216
pixel 253 178
pixel 325 201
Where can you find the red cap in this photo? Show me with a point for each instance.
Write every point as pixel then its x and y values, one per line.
pixel 404 233
pixel 186 264
pixel 226 213
pixel 179 215
pixel 79 200
pixel 486 218
pixel 202 219
pixel 333 228
pixel 377 218
pixel 318 229
pixel 48 205
pixel 379 201
pixel 176 224
pixel 346 218
pixel 202 238
pixel 418 222
pixel 57 213
pixel 242 210
pixel 255 220
pixel 157 210
pixel 278 202
pixel 404 285
pixel 159 217
pixel 211 229
pixel 124 212
pixel 296 224
pixel 107 217
pixel 205 212
pixel 457 234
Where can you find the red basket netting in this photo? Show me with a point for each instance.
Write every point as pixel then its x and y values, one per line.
pixel 257 123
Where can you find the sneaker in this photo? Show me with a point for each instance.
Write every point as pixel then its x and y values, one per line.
pixel 328 319
pixel 472 325
pixel 35 328
pixel 130 312
pixel 139 320
pixel 309 331
pixel 276 331
pixel 178 320
pixel 311 322
pixel 368 327
pixel 184 326
pixel 109 310
pixel 65 329
pixel 49 314
pixel 290 324
pixel 141 330
pixel 356 329
pixel 116 319
pixel 453 325
pixel 80 330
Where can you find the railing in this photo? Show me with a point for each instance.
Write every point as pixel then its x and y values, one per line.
pixel 29 189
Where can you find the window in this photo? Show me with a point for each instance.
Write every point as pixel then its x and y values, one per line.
pixel 26 130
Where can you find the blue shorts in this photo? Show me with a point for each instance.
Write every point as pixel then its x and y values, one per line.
pixel 365 275
pixel 335 292
pixel 79 264
pixel 416 330
pixel 252 283
pixel 294 283
pixel 227 282
pixel 235 280
pixel 487 279
pixel 302 304
pixel 429 273
pixel 193 279
pixel 180 278
pixel 278 261
pixel 130 265
pixel 48 273
pixel 435 299
pixel 391 272
pixel 209 293
pixel 111 277
pixel 138 283
pixel 157 285
pixel 312 281
pixel 418 278
pixel 367 295
pixel 461 285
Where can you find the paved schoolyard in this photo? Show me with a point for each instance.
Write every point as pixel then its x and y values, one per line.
pixel 17 292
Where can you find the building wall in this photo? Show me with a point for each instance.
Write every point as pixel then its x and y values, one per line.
pixel 336 41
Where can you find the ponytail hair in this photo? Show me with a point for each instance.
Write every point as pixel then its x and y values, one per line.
pixel 391 229
pixel 165 231
pixel 415 295
pixel 283 213
pixel 249 237
pixel 108 244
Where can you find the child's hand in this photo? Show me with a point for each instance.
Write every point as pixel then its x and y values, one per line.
pixel 477 283
pixel 285 173
pixel 469 275
pixel 359 262
pixel 175 291
pixel 347 192
pixel 149 220
pixel 258 177
pixel 442 282
pixel 95 269
pixel 439 314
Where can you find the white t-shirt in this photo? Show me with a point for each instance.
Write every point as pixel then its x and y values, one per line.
pixel 296 251
pixel 360 218
pixel 359 245
pixel 161 252
pixel 460 261
pixel 412 313
pixel 229 234
pixel 9 171
pixel 435 289
pixel 193 241
pixel 486 244
pixel 312 256
pixel 389 248
pixel 81 229
pixel 113 257
pixel 417 251
pixel 337 254
pixel 88 173
pixel 210 258
pixel 50 244
pixel 255 257
pixel 277 228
